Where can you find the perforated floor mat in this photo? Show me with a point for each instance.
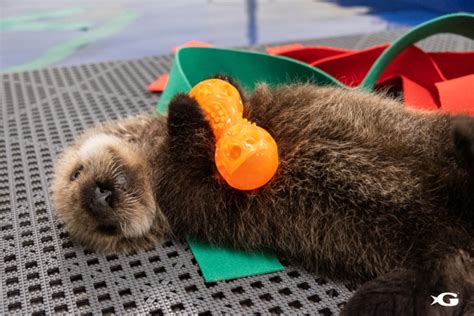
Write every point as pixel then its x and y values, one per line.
pixel 42 271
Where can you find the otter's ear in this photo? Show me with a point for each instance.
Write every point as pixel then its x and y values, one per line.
pixel 191 140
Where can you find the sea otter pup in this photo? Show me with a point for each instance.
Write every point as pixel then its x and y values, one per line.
pixel 366 190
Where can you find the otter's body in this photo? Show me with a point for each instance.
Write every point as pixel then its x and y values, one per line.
pixel 365 188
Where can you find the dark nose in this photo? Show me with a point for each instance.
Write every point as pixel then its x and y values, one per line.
pixel 101 199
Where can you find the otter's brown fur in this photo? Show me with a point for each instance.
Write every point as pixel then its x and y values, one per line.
pixel 365 188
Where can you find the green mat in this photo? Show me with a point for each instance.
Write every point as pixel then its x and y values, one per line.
pixel 219 263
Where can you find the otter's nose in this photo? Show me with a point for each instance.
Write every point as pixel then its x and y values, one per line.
pixel 101 199
pixel 102 195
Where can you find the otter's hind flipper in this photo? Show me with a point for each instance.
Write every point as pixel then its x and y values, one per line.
pixel 418 291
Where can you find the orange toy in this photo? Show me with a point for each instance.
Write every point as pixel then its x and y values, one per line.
pixel 246 155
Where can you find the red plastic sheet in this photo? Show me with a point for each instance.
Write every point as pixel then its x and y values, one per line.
pixel 429 81
pixel 159 84
pixel 192 43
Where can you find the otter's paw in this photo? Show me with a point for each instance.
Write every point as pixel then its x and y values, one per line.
pixel 185 118
pixel 190 138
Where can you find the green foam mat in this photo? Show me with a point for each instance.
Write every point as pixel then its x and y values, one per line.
pixel 220 263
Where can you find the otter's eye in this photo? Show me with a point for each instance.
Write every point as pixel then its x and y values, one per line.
pixel 77 173
pixel 122 181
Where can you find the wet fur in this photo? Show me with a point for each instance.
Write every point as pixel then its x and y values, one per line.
pixel 366 190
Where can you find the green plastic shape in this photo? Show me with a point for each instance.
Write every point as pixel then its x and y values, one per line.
pixel 218 263
pixel 194 64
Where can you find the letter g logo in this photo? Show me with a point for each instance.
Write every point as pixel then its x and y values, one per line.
pixel 440 299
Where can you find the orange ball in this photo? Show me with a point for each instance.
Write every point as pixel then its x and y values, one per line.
pixel 246 156
pixel 220 101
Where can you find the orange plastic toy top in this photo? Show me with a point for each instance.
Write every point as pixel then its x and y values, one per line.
pixel 246 154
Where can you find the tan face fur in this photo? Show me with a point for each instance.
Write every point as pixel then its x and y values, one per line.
pixel 102 193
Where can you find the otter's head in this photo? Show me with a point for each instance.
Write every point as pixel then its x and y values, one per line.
pixel 102 192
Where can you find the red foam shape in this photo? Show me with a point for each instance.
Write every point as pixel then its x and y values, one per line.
pixel 192 43
pixel 312 54
pixel 426 78
pixel 282 49
pixel 350 67
pixel 454 64
pixel 456 95
pixel 159 84
pixel 416 96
